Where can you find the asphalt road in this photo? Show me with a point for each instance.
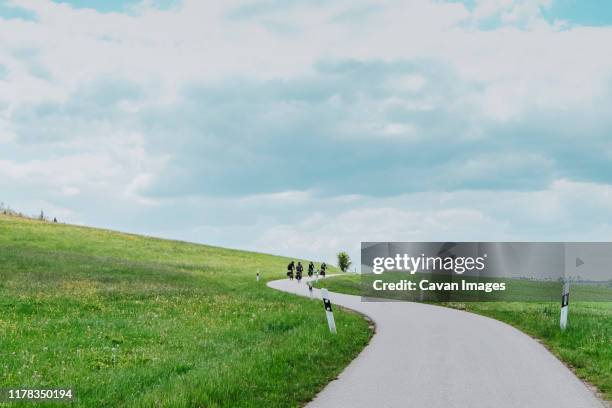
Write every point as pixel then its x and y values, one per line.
pixel 433 357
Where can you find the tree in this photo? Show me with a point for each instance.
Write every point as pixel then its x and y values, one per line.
pixel 344 261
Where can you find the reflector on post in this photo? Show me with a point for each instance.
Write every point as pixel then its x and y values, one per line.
pixel 328 310
pixel 564 306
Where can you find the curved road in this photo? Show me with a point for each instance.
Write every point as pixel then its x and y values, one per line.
pixel 433 357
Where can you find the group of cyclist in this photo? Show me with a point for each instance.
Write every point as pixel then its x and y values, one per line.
pixel 297 270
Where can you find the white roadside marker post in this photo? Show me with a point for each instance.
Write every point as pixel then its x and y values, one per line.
pixel 310 288
pixel 328 311
pixel 564 305
pixel 257 276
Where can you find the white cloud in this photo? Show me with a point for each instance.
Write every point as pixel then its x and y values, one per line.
pixel 400 130
pixel 564 211
pixel 118 167
pixel 92 150
pixel 409 82
pixel 70 191
pixel 6 133
pixel 199 42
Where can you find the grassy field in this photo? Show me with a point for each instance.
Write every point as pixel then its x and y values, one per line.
pixel 586 345
pixel 132 321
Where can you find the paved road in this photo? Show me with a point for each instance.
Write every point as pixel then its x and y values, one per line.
pixel 433 357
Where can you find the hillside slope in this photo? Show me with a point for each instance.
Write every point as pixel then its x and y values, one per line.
pixel 133 321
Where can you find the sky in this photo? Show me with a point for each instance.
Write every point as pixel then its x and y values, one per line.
pixel 303 127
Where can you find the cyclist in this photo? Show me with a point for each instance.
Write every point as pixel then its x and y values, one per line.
pixel 299 269
pixel 323 269
pixel 310 269
pixel 290 269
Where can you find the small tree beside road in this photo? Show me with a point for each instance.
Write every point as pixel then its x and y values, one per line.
pixel 344 261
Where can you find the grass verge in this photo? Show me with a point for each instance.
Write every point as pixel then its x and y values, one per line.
pixel 130 321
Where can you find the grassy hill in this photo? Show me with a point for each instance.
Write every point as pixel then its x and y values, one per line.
pixel 586 345
pixel 132 321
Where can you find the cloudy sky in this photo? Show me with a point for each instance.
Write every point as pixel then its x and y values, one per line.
pixel 302 127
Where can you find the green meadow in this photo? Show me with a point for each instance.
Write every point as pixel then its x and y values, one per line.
pixel 585 346
pixel 131 321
